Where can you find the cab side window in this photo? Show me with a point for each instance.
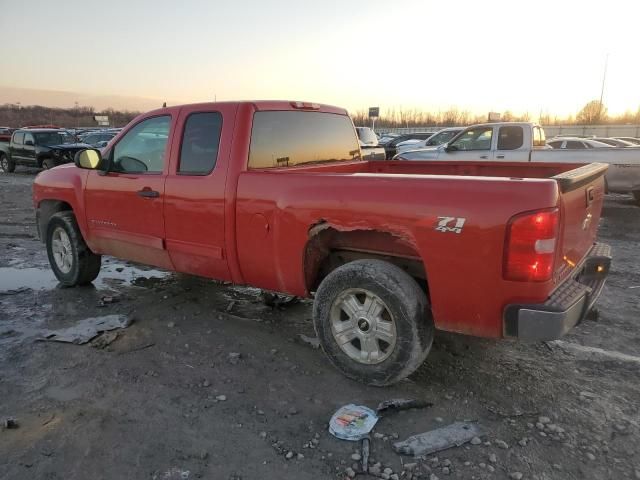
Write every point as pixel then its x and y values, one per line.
pixel 28 138
pixel 572 144
pixel 200 141
pixel 143 148
pixel 18 138
pixel 474 139
pixel 510 137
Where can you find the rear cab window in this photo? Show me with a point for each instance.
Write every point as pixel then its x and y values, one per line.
pixel 200 142
pixel 293 138
pixel 510 137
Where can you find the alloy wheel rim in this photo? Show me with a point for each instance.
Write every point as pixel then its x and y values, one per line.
pixel 363 326
pixel 62 250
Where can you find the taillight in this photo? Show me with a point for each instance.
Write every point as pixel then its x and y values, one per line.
pixel 530 246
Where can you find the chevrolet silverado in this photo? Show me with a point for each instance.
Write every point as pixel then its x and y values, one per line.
pixel 276 195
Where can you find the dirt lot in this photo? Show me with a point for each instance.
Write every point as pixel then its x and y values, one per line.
pixel 209 382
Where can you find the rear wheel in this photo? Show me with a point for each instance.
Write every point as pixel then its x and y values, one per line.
pixel 636 195
pixel 373 321
pixel 72 262
pixel 6 164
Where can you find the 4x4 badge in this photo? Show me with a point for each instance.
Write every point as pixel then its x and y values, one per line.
pixel 450 224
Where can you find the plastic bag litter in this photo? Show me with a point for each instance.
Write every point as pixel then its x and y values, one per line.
pixel 352 422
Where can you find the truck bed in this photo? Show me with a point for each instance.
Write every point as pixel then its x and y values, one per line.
pixel 515 170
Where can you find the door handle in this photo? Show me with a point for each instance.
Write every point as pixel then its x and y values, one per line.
pixel 484 156
pixel 499 156
pixel 148 193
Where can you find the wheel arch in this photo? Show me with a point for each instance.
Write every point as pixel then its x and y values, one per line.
pixel 47 208
pixel 330 246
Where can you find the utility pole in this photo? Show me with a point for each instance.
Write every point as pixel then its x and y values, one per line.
pixel 604 77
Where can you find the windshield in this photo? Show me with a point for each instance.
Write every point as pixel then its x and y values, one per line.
pixel 51 138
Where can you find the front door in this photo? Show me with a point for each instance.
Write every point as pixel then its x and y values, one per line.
pixel 29 149
pixel 124 206
pixel 474 144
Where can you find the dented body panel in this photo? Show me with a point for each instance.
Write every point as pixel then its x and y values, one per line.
pixel 283 229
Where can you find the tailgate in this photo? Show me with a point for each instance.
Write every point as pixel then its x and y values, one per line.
pixel 581 199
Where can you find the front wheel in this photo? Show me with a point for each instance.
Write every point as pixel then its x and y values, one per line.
pixel 48 163
pixel 373 321
pixel 6 164
pixel 72 262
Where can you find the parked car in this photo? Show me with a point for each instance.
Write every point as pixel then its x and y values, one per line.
pixel 635 141
pixel 391 146
pixel 615 142
pixel 442 136
pixel 576 143
pixel 525 142
pixel 98 139
pixel 275 195
pixel 369 147
pixel 5 133
pixel 386 137
pixel 41 148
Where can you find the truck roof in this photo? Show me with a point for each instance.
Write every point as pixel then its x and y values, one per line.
pixel 500 124
pixel 265 105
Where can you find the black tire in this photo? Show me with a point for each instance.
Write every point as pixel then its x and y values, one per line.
pixel 636 195
pixel 85 265
pixel 6 164
pixel 406 303
pixel 48 163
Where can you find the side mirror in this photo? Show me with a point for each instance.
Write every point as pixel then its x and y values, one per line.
pixel 90 159
pixel 29 143
pixel 450 148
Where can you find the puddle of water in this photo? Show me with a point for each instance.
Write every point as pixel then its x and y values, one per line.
pixel 12 278
pixel 112 273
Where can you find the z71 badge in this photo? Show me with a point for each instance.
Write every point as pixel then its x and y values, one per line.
pixel 450 224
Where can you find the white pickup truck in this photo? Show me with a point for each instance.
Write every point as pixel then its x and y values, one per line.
pixel 526 142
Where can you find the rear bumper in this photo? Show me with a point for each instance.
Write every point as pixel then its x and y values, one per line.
pixel 567 305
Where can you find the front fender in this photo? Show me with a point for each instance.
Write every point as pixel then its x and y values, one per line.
pixel 63 184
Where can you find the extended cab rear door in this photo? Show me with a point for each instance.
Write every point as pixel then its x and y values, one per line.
pixel 195 199
pixel 512 143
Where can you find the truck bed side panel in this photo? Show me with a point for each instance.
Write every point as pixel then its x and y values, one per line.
pixel 464 271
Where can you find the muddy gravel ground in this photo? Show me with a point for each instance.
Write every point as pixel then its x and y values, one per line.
pixel 209 382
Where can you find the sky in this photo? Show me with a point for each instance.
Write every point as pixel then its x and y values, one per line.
pixel 478 55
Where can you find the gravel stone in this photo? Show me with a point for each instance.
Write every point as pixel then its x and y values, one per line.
pixel 378 435
pixel 356 456
pixel 289 455
pixel 516 475
pixel 543 420
pixel 446 470
pixel 350 472
pixel 476 441
pixel 493 458
pixel 388 471
pixel 491 468
pixel 502 444
pixel 221 398
pixel 590 456
pixel 394 477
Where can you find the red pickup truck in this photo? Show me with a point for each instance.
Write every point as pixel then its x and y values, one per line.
pixel 275 194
